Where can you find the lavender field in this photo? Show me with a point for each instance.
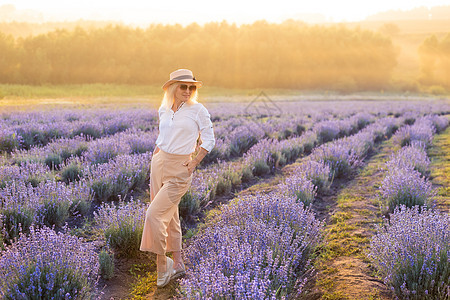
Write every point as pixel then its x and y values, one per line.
pixel 262 219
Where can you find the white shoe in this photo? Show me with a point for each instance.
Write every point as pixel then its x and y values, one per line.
pixel 179 272
pixel 164 277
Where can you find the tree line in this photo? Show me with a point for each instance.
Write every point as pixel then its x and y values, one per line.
pixel 435 61
pixel 287 55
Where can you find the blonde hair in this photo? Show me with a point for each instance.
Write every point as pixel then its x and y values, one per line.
pixel 169 96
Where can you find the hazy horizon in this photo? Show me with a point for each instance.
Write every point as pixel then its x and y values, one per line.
pixel 133 12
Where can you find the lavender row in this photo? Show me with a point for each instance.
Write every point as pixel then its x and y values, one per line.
pixel 318 109
pixel 405 181
pixel 25 130
pixel 335 159
pixel 49 203
pixel 255 248
pixel 48 265
pixel 28 130
pixel 130 141
pixel 236 136
pixel 98 151
pixel 411 250
pixel 268 155
pixel 19 130
pixel 411 253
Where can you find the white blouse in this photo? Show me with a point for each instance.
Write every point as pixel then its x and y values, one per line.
pixel 178 131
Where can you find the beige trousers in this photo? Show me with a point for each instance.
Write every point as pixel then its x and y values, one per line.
pixel 169 181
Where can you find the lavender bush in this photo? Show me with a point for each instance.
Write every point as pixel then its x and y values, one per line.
pixel 103 150
pixel 48 265
pixel 106 263
pixel 120 176
pixel 421 131
pixel 28 172
pixel 412 254
pixel 50 203
pixel 298 186
pixel 38 134
pixel 244 137
pixel 15 220
pixel 403 186
pixel 88 129
pixel 412 157
pixel 200 193
pixel 122 226
pixel 326 131
pixel 362 119
pixel 318 173
pixel 9 140
pixel 293 148
pixel 60 150
pixel 229 177
pixel 339 156
pixel 74 169
pixel 439 122
pixel 256 248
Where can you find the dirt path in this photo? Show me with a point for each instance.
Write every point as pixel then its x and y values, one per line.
pixel 439 155
pixel 350 211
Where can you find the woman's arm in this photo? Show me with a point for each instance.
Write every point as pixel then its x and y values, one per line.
pixel 192 164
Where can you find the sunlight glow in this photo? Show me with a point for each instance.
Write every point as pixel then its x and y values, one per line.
pixel 202 11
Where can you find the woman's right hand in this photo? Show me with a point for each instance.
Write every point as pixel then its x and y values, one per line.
pixel 156 150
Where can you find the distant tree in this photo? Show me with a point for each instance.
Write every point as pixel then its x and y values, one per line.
pixel 8 59
pixel 262 54
pixel 435 61
pixel 390 29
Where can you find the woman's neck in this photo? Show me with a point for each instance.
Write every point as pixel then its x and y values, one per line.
pixel 176 104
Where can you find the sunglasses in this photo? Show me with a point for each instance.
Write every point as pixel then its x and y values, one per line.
pixel 192 88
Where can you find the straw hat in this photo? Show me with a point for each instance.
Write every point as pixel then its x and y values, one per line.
pixel 182 75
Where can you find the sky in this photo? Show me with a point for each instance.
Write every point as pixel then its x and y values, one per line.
pixel 141 12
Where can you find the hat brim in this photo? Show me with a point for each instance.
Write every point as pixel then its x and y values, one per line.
pixel 197 83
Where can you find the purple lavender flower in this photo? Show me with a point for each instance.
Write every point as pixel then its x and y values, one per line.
pixel 339 155
pixel 403 186
pixel 412 157
pixel 317 172
pixel 298 186
pixel 122 225
pixel 49 203
pixel 439 122
pixel 253 249
pixel 120 176
pixel 48 265
pixel 244 137
pixel 326 131
pixel 9 140
pixel 422 131
pixel 412 253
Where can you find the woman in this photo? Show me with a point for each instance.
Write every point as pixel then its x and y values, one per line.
pixel 182 120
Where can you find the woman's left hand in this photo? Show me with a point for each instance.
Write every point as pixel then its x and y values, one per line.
pixel 191 165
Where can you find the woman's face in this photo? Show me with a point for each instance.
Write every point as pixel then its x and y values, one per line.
pixel 184 91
